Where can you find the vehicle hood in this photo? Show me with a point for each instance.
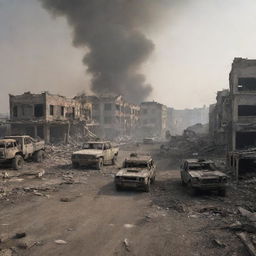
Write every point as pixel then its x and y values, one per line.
pixel 91 152
pixel 133 172
pixel 205 174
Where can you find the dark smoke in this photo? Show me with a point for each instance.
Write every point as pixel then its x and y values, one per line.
pixel 112 31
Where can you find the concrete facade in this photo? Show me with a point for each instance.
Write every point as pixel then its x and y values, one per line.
pixel 50 117
pixel 219 118
pixel 181 119
pixel 153 119
pixel 242 81
pixel 113 116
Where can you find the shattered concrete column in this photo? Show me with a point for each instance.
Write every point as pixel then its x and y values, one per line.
pixel 35 131
pixel 47 133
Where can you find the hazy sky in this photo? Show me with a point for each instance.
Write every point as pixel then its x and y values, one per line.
pixel 194 49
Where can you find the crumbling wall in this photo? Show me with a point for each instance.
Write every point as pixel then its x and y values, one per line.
pixel 27 106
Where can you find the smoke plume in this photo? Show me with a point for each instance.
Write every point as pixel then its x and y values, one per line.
pixel 111 31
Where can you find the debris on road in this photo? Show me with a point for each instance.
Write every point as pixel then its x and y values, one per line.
pixel 60 242
pixel 247 243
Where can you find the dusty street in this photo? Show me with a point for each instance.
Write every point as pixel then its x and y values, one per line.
pixel 82 208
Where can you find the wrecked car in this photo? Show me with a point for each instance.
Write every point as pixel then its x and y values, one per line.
pixel 95 153
pixel 200 174
pixel 14 149
pixel 138 171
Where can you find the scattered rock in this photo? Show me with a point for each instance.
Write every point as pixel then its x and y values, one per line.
pixel 126 244
pixel 60 242
pixel 129 225
pixel 219 243
pixel 19 235
pixel 66 199
pixel 247 243
pixel 6 252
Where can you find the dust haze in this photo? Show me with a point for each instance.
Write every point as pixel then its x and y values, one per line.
pixel 113 32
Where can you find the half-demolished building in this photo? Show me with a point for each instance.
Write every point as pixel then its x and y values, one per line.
pixel 233 117
pixel 51 117
pixel 113 116
pixel 153 119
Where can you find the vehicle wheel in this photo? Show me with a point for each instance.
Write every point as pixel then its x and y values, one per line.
pixel 100 164
pixel 222 192
pixel 17 162
pixel 75 165
pixel 39 156
pixel 147 187
pixel 118 188
pixel 114 160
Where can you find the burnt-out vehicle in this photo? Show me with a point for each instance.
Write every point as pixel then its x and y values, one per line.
pixel 95 153
pixel 138 171
pixel 14 149
pixel 199 174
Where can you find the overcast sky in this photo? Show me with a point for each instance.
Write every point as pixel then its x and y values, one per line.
pixel 194 48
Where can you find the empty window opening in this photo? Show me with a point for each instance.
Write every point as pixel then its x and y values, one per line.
pixel 247 84
pixel 247 166
pixel 73 113
pixel 39 110
pixel 62 111
pixel 15 111
pixel 247 110
pixel 40 132
pixel 51 110
pixel 58 134
pixel 245 140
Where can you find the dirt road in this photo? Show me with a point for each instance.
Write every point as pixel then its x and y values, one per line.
pixel 83 209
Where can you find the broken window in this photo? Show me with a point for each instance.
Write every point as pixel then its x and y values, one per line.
pixel 15 111
pixel 39 110
pixel 62 111
pixel 107 107
pixel 51 110
pixel 247 84
pixel 245 140
pixel 247 110
pixel 74 112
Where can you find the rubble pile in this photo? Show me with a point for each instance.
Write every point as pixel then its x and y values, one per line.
pixel 191 146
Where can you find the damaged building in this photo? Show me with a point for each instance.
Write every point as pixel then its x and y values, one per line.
pixel 233 118
pixel 153 119
pixel 181 119
pixel 242 81
pixel 113 116
pixel 219 118
pixel 53 118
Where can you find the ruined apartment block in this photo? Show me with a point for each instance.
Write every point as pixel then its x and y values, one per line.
pixel 113 116
pixel 50 117
pixel 153 119
pixel 219 118
pixel 181 119
pixel 242 81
